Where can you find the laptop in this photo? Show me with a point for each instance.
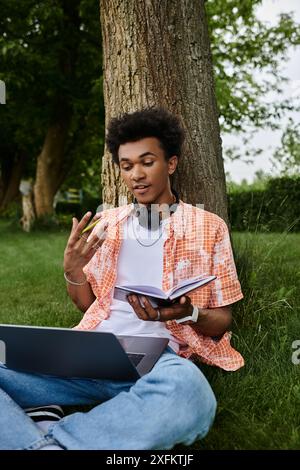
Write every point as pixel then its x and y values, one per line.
pixel 71 353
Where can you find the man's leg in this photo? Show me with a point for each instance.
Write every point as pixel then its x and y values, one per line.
pixel 17 430
pixel 30 390
pixel 20 390
pixel 172 404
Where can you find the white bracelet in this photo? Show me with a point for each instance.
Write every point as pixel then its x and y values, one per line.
pixel 193 317
pixel 74 283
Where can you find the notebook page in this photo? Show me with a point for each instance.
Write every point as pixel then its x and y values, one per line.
pixel 144 290
pixel 188 287
pixel 186 282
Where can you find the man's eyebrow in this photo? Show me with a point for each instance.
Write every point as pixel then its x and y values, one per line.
pixel 123 159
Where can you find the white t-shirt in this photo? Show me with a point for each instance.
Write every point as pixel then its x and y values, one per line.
pixel 138 265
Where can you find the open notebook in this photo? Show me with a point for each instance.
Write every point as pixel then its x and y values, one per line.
pixel 157 296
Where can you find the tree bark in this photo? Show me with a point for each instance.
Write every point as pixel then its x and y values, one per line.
pixel 158 53
pixel 11 178
pixel 50 162
pixel 28 217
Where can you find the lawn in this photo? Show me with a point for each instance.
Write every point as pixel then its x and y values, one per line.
pixel 259 405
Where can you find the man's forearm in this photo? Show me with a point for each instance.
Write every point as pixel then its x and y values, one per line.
pixel 82 295
pixel 213 321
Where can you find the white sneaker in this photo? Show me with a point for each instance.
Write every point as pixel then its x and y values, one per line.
pixel 45 413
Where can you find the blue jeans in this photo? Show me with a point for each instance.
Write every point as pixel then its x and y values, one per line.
pixel 171 404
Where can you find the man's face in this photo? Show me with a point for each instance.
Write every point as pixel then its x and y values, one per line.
pixel 145 170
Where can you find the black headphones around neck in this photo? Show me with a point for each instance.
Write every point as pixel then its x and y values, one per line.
pixel 150 218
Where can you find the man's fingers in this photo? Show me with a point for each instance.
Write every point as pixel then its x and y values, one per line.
pixel 152 313
pixel 92 223
pixel 77 228
pixel 83 222
pixel 97 216
pixel 182 308
pixel 71 239
pixel 135 304
pixel 88 236
pixel 185 299
pixel 100 229
pixel 91 242
pixel 145 310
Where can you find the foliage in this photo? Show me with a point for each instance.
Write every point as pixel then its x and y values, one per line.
pixel 90 203
pixel 77 209
pixel 51 48
pixel 275 208
pixel 34 43
pixel 260 182
pixel 287 155
pixel 13 212
pixel 248 55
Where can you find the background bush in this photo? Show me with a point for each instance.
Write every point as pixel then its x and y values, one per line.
pixel 273 205
pixel 273 209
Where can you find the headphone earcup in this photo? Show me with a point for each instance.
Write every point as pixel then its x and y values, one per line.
pixel 144 216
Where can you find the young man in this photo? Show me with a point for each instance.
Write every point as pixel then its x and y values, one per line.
pixel 173 403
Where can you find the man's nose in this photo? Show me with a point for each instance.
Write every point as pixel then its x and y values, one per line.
pixel 137 174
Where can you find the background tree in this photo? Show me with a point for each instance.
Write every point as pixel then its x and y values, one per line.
pixel 163 63
pixel 247 57
pixel 161 55
pixel 287 156
pixel 51 106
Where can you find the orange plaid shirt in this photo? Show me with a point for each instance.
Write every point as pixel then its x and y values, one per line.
pixel 197 242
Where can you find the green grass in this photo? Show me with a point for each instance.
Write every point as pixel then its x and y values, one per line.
pixel 32 288
pixel 259 405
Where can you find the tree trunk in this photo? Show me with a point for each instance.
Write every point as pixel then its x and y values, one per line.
pixel 50 162
pixel 51 167
pixel 158 53
pixel 28 217
pixel 11 178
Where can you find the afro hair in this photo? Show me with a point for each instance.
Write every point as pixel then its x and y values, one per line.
pixel 147 122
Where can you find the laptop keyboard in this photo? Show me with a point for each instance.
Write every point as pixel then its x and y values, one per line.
pixel 135 358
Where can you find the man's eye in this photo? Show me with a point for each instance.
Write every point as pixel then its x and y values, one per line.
pixel 126 168
pixel 148 163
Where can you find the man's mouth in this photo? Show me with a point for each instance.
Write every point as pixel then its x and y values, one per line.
pixel 141 188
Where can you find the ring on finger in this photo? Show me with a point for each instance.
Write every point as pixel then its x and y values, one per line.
pixel 158 315
pixel 96 246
